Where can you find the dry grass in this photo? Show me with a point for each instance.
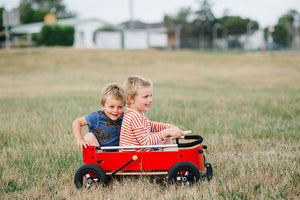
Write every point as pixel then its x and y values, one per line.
pixel 246 107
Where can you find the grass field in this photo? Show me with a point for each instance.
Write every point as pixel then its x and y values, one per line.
pixel 246 106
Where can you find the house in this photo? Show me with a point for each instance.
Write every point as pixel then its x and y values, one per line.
pixel 96 34
pixel 253 41
pixel 139 35
pixel 89 33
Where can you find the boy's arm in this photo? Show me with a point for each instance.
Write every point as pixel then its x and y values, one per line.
pixel 168 130
pixel 144 137
pixel 76 125
pixel 134 130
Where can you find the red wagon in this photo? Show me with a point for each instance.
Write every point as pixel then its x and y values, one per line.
pixel 185 163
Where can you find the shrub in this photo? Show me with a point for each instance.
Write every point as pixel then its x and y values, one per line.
pixel 282 35
pixel 55 35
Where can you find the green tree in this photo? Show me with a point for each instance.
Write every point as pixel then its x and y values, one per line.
pixel 181 18
pixel 236 25
pixel 283 31
pixel 198 31
pixel 35 10
pixel 2 31
pixel 288 18
pixel 204 16
pixel 203 23
pixel 282 35
pixel 1 18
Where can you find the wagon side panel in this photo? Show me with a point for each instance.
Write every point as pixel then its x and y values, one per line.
pixel 194 155
pixel 145 160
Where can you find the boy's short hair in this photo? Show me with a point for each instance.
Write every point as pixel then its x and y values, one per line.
pixel 113 89
pixel 132 84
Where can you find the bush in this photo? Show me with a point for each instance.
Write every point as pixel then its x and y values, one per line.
pixel 282 35
pixel 55 35
pixel 37 38
pixel 67 35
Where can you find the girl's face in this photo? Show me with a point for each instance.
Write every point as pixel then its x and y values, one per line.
pixel 142 101
pixel 113 108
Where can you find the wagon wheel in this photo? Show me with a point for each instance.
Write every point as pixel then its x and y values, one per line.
pixel 184 172
pixel 88 175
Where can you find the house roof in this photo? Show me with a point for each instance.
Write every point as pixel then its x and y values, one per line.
pixel 27 28
pixel 141 25
pixel 36 27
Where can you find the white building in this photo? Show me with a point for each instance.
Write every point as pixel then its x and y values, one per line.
pixel 253 41
pixel 96 34
pixel 87 33
pixel 139 35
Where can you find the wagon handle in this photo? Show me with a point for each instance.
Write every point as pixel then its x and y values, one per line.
pixel 198 139
pixel 134 158
pixel 187 132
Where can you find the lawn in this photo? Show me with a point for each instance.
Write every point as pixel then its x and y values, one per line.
pixel 246 106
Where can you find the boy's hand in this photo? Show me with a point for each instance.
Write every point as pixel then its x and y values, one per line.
pixel 82 143
pixel 187 132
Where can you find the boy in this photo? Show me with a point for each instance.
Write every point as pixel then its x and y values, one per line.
pixel 136 127
pixel 104 125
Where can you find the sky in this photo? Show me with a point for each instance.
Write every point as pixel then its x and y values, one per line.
pixel 265 12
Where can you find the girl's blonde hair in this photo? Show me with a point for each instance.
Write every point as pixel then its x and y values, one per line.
pixel 113 89
pixel 132 84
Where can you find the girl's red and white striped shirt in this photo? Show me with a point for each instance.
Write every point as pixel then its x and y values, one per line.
pixel 136 129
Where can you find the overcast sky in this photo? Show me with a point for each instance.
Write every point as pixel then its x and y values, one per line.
pixel 266 12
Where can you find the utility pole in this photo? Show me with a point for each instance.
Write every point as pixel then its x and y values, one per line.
pixel 10 18
pixel 249 32
pixel 296 24
pixel 6 25
pixel 177 36
pixel 201 39
pixel 131 23
pixel 215 34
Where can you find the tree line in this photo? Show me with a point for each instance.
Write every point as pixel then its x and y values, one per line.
pixel 197 28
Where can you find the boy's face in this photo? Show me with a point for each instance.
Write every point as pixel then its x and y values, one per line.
pixel 142 101
pixel 113 108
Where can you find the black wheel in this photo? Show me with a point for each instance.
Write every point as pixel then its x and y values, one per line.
pixel 88 175
pixel 184 172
